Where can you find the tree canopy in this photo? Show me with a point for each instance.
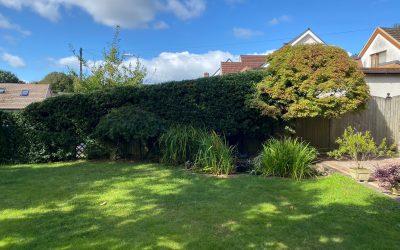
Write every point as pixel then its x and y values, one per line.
pixel 8 77
pixel 59 82
pixel 112 71
pixel 311 81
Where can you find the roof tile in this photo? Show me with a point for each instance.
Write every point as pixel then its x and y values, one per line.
pixel 12 99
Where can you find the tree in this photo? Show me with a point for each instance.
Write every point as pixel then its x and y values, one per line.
pixel 59 82
pixel 8 77
pixel 112 71
pixel 311 81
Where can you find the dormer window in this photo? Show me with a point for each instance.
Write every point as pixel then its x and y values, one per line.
pixel 24 92
pixel 377 59
pixel 2 90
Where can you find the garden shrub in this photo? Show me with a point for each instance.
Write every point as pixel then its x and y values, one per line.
pixel 130 126
pixel 388 176
pixel 286 157
pixel 214 155
pixel 359 147
pixel 180 144
pixel 222 103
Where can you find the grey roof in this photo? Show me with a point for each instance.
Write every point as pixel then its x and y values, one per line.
pixel 394 32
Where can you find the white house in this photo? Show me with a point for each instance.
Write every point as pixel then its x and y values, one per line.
pixel 380 61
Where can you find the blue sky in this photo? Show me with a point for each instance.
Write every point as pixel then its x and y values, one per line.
pixel 176 39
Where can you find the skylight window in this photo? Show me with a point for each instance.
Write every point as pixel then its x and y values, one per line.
pixel 24 92
pixel 2 90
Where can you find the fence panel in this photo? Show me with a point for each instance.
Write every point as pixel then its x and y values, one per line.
pixel 381 118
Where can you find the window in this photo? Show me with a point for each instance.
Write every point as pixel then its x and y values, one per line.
pixel 377 59
pixel 24 92
pixel 2 90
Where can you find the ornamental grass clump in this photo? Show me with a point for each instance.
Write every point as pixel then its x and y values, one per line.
pixel 360 147
pixel 180 144
pixel 286 157
pixel 214 155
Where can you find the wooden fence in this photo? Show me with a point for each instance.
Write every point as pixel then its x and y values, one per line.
pixel 381 118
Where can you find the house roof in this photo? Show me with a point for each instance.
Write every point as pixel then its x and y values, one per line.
pixel 246 62
pixel 368 71
pixel 12 99
pixel 304 34
pixel 390 34
pixel 258 61
pixel 394 32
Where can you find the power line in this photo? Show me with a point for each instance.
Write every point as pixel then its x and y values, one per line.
pixel 95 52
pixel 260 41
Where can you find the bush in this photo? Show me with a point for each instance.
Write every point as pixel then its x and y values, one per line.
pixel 127 126
pixel 359 147
pixel 388 176
pixel 286 158
pixel 214 155
pixel 180 144
pixel 222 103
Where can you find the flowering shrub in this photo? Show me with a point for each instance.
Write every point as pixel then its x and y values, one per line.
pixel 388 176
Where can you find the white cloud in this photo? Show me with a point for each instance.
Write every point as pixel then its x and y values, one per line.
pixel 69 61
pixel 169 66
pixel 125 13
pixel 13 60
pixel 246 33
pixel 160 25
pixel 186 9
pixel 6 24
pixel 277 20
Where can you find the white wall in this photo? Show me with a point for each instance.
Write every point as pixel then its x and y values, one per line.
pixel 381 84
pixel 307 40
pixel 380 44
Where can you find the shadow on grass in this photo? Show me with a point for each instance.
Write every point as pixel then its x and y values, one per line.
pixel 148 206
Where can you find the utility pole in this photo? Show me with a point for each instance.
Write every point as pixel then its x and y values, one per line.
pixel 80 63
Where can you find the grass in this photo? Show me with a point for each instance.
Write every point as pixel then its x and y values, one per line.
pixel 148 206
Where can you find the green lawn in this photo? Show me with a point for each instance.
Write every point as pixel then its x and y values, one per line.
pixel 149 206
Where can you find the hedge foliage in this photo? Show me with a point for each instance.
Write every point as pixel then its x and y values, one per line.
pixel 8 138
pixel 224 104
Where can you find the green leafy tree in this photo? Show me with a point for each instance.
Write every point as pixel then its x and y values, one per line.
pixel 112 71
pixel 59 82
pixel 8 77
pixel 311 81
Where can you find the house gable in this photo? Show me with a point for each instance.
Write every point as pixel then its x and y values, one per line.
pixel 307 37
pixel 380 42
pixel 248 62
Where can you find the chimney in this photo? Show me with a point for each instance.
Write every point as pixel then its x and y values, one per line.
pixel 206 74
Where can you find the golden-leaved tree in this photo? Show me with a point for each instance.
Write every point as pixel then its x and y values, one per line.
pixel 311 81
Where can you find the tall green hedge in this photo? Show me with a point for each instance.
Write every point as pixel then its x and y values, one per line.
pixel 8 138
pixel 221 103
